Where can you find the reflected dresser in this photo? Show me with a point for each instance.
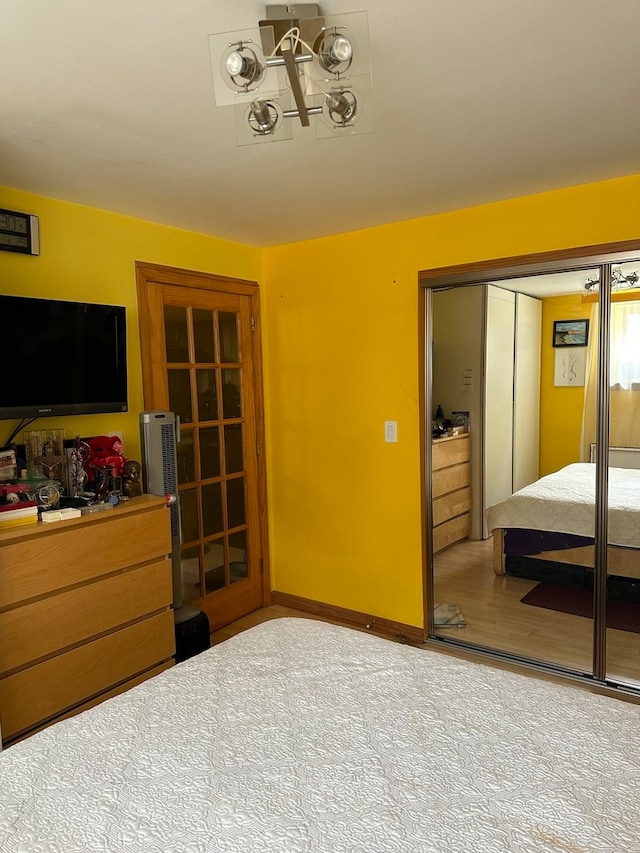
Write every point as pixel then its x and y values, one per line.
pixel 451 490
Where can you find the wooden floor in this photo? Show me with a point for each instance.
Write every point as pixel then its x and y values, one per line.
pixel 253 619
pixel 496 619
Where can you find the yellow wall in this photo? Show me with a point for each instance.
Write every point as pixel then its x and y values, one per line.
pixel 340 327
pixel 342 356
pixel 89 255
pixel 561 407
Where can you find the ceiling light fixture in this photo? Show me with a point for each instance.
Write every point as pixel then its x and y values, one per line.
pixel 298 64
pixel 619 280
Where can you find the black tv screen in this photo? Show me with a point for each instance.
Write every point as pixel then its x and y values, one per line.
pixel 66 358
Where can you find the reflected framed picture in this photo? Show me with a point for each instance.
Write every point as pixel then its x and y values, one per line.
pixel 570 366
pixel 570 333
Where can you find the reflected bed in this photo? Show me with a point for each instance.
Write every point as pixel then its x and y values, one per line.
pixel 553 521
pixel 302 737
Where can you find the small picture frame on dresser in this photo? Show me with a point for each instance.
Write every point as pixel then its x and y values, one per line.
pixel 460 421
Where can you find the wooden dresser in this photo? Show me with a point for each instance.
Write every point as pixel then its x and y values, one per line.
pixel 451 490
pixel 85 611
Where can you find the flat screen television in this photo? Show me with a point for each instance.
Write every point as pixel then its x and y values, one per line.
pixel 65 358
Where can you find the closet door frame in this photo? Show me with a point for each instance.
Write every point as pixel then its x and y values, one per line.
pixel 494 271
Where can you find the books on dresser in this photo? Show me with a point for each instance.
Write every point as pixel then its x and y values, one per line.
pixel 18 513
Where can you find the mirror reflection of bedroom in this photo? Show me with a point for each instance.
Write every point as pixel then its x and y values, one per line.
pixel 514 395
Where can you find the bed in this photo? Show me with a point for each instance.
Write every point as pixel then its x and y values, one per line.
pixel 302 737
pixel 553 520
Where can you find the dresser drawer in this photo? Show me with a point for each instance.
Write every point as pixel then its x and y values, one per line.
pixel 44 561
pixel 450 451
pixel 449 479
pixel 46 626
pixel 451 531
pixel 448 506
pixel 40 692
pixel 97 700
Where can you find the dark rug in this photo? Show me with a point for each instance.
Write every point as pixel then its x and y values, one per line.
pixel 621 615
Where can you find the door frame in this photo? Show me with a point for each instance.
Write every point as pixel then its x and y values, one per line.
pixel 491 271
pixel 147 275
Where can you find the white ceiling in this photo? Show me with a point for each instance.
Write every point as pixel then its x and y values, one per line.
pixel 110 104
pixel 550 284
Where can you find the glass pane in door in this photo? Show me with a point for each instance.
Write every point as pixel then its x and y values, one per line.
pixel 229 350
pixel 203 335
pixel 189 515
pixel 190 558
pixel 176 334
pixel 238 562
pixel 212 517
pixel 233 448
pixel 214 566
pixel 231 394
pixel 207 395
pixel 235 502
pixel 186 457
pixel 180 394
pixel 209 452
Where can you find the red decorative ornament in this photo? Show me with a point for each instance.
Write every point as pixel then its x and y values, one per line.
pixel 105 452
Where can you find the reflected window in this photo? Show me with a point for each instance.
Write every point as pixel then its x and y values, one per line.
pixel 625 351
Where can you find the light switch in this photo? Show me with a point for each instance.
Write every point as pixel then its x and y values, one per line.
pixel 391 431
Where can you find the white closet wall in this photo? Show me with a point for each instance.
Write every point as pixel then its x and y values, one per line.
pixel 526 400
pixel 498 396
pixel 486 360
pixel 458 324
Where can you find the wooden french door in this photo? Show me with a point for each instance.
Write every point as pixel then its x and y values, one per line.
pixel 201 360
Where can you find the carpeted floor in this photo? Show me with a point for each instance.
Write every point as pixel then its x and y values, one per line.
pixel 621 615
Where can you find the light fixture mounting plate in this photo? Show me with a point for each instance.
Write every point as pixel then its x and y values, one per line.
pixel 286 12
pixel 281 18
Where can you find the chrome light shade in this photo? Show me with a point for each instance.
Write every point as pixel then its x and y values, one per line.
pixel 334 52
pixel 243 67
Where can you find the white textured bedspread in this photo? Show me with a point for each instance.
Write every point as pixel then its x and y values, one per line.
pixel 565 502
pixel 298 736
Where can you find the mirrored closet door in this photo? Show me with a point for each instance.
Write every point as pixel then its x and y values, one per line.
pixel 513 417
pixel 622 636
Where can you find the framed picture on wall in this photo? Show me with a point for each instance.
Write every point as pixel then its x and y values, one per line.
pixel 570 333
